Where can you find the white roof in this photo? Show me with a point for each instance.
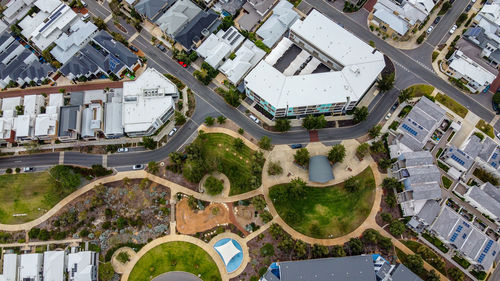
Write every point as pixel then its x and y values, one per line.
pixel 91 119
pixel 53 266
pixel 466 66
pixel 10 103
pixel 22 126
pixel 94 95
pixel 80 266
pixel 407 11
pixel 247 56
pixel 361 66
pixel 45 124
pixel 113 118
pixel 16 9
pixel 182 12
pixel 31 266
pixel 145 100
pixel 275 26
pixel 423 5
pixel 9 267
pixel 218 46
pixel 397 23
pixel 68 45
pixel 491 12
pixel 56 100
pixel 32 104
pixel 227 251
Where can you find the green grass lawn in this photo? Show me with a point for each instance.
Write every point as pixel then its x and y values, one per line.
pixel 175 256
pixel 454 106
pixel 485 128
pixel 332 210
pixel 24 193
pixel 446 181
pixel 239 171
pixel 421 90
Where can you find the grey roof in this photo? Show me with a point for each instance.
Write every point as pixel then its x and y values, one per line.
pixel 384 270
pixel 422 174
pixel 420 123
pixel 113 118
pixel 430 191
pixel 458 156
pixel 68 119
pixel 490 152
pixel 403 273
pixel 278 23
pixel 192 32
pixel 473 147
pixel 488 196
pixel 417 158
pixel 261 6
pixel 231 6
pixel 250 18
pixel 150 8
pixel 79 65
pixel 354 268
pixel 116 49
pixel 320 169
pixel 177 16
pixel 269 276
pixel 429 212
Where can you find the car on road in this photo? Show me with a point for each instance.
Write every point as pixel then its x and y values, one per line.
pixel 295 146
pixel 429 30
pixel 395 106
pixel 183 64
pixel 133 48
pixel 453 28
pixel 388 116
pixel 138 167
pixel 254 119
pixel 28 169
pixel 123 149
pixel 83 3
pixel 171 133
pixel 161 47
pixel 498 135
pixel 437 20
pixel 468 7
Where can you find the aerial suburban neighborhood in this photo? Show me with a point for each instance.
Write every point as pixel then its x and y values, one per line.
pixel 249 140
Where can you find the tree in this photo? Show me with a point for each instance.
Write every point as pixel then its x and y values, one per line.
pixel 282 125
pixel 100 23
pixel 265 143
pixel 415 263
pixel 375 131
pixel 362 150
pixel 238 144
pixel 209 121
pixel 337 153
pixel 432 276
pixel 405 95
pixel 386 83
pixel 221 119
pixel 241 131
pixel 123 257
pixel 338 251
pixel 194 170
pixel 213 186
pixel 301 157
pixel 192 202
pixel 456 274
pixel 179 118
pixel 360 114
pixel 355 247
pixel 267 250
pixel 153 167
pixel 266 216
pixel 396 228
pixel 390 199
pixel 106 271
pixel 259 203
pixel 311 122
pixel 274 168
pixel 300 249
pixel 296 189
pixel 352 184
pixel 370 236
pixel 65 178
pixel 149 143
pixel 319 251
pixel 227 22
pixel 386 217
pixel 392 183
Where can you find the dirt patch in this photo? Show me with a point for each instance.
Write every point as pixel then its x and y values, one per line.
pixel 177 178
pixel 191 222
pixel 385 208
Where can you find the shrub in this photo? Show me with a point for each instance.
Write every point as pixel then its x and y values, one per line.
pixel 8 171
pixel 337 153
pixel 123 257
pixel 301 157
pixel 267 250
pixel 265 143
pixel 213 185
pixel 274 168
pixel 421 38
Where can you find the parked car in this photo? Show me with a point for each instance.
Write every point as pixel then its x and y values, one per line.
pixel 133 48
pixel 498 135
pixel 171 133
pixel 453 28
pixel 138 167
pixel 183 64
pixel 451 1
pixel 85 17
pixel 437 20
pixel 468 7
pixel 429 30
pixel 83 3
pixel 395 106
pixel 255 119
pixel 123 149
pixel 295 146
pixel 28 169
pixel 388 116
pixel 161 47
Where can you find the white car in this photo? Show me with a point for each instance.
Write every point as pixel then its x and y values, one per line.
pixel 255 119
pixel 498 135
pixel 453 28
pixel 85 17
pixel 138 167
pixel 429 30
pixel 123 149
pixel 388 116
pixel 28 169
pixel 171 133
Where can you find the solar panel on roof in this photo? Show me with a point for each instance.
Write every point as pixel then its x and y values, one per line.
pixel 235 39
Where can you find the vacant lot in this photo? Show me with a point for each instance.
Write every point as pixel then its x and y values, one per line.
pixel 330 211
pixel 454 106
pixel 421 90
pixel 175 256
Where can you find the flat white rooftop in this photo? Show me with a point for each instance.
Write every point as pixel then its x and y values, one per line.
pixel 9 267
pixel 53 266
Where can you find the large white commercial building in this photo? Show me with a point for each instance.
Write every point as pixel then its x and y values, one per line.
pixel 350 68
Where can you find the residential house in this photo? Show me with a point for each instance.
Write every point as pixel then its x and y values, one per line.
pixel 148 102
pixel 216 48
pixel 82 266
pixel 16 9
pixel 421 179
pixel 113 127
pixel 24 124
pixel 485 152
pixel 472 75
pixel 92 121
pixel 9 112
pixel 54 266
pixel 231 7
pixel 73 40
pixel 469 241
pixel 425 217
pixel 417 127
pixel 152 9
pixel 30 267
pixel 457 158
pixel 177 17
pixel 116 54
pixel 278 23
pixel 485 198
pixel 46 124
pixel 10 267
pixel 253 12
pixel 246 58
pixel 203 24
pixel 70 123
pixel 336 70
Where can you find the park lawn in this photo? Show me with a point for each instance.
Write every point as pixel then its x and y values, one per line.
pixel 24 194
pixel 334 210
pixel 485 128
pixel 421 90
pixel 175 256
pixel 453 105
pixel 239 171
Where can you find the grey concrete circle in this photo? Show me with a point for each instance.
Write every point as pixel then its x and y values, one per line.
pixel 176 276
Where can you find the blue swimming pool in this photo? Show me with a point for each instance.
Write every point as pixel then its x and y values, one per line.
pixel 236 260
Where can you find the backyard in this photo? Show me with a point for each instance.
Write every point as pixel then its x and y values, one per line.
pixel 329 211
pixel 172 257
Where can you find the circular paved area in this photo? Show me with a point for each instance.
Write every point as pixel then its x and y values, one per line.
pixel 177 276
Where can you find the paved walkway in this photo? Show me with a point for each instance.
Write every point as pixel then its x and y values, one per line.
pixel 69 88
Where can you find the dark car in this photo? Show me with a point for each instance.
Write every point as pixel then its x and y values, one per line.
pixel 437 20
pixel 161 47
pixel 468 7
pixel 394 106
pixel 295 146
pixel 133 48
pixel 451 1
